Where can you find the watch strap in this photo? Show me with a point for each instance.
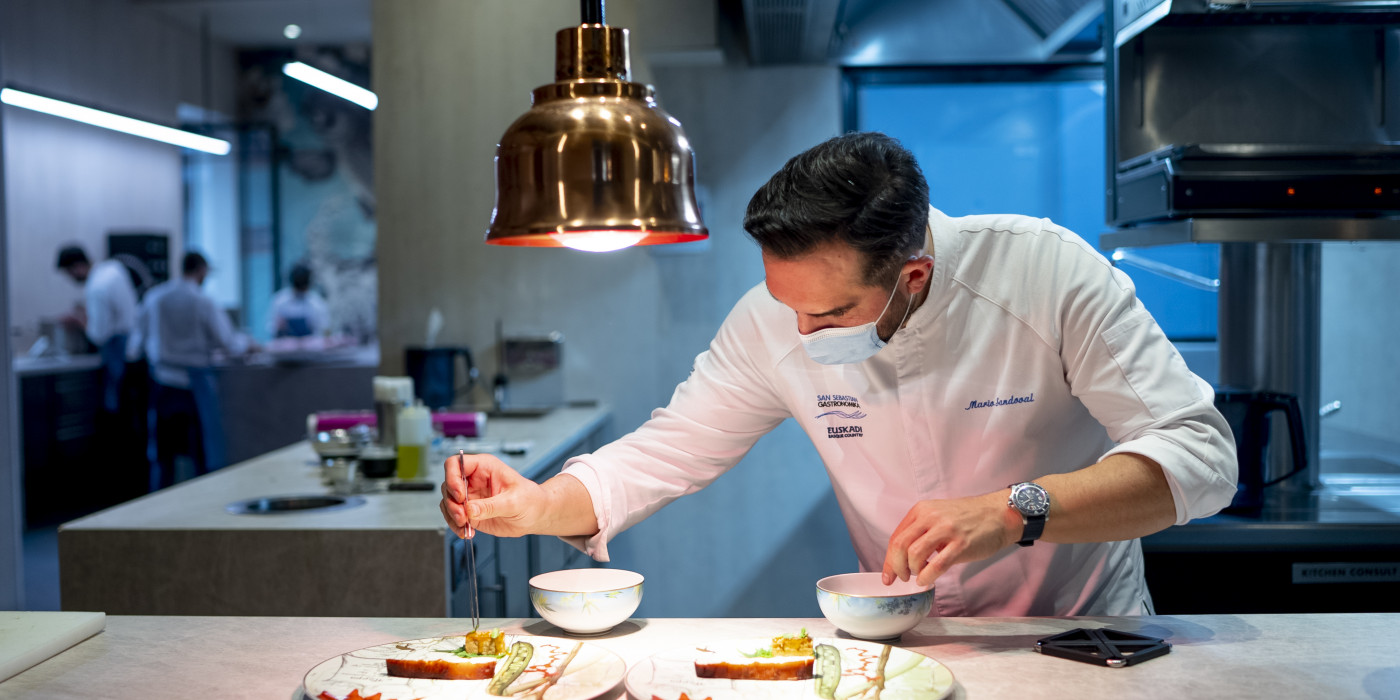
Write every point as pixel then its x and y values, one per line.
pixel 1035 525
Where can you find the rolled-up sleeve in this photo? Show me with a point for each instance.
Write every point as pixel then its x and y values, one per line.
pixel 711 422
pixel 1135 382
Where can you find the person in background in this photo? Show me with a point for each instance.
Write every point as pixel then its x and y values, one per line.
pixel 996 410
pixel 298 311
pixel 108 319
pixel 108 314
pixel 181 329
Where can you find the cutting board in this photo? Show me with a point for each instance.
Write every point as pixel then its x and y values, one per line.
pixel 27 638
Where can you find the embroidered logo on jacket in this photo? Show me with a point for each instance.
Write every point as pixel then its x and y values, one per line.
pixel 1008 401
pixel 843 407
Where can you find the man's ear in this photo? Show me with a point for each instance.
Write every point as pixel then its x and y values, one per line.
pixel 919 270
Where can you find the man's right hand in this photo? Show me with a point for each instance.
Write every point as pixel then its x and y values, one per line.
pixel 482 493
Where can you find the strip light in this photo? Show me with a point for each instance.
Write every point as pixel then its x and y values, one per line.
pixel 107 120
pixel 335 86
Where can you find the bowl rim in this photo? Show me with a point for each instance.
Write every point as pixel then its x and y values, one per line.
pixel 640 580
pixel 824 589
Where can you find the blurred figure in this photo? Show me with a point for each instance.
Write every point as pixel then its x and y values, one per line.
pixel 298 311
pixel 180 329
pixel 107 316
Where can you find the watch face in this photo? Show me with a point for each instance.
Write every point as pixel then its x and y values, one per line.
pixel 1030 499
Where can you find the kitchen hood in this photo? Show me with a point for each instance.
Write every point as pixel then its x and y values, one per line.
pixel 872 33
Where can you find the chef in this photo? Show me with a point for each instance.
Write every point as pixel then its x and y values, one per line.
pixel 108 314
pixel 995 408
pixel 298 310
pixel 181 328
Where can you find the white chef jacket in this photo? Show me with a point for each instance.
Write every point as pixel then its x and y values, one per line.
pixel 180 327
pixel 110 301
pixel 289 304
pixel 1031 356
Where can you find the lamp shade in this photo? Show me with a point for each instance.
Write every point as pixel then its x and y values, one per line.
pixel 595 164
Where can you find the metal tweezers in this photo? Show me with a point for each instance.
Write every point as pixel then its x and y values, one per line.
pixel 471 555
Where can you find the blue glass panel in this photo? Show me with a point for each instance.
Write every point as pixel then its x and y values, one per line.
pixel 1032 148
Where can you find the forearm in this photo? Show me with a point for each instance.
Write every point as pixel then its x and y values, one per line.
pixel 568 509
pixel 1121 498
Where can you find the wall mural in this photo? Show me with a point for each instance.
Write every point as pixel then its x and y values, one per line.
pixel 324 186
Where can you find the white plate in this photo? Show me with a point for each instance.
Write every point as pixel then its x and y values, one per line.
pixel 593 671
pixel 909 675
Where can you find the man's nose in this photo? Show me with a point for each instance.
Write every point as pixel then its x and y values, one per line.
pixel 809 324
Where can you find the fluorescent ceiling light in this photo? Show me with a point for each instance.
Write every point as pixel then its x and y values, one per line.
pixel 333 85
pixel 107 120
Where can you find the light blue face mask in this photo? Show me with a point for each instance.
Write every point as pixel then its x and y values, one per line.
pixel 840 346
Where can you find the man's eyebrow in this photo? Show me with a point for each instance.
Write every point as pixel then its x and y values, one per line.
pixel 834 312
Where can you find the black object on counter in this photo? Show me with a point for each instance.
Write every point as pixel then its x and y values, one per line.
pixel 378 465
pixel 1248 415
pixel 1103 647
pixel 412 486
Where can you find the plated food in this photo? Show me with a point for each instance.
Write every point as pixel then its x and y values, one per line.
pixel 841 669
pixel 788 658
pixel 481 666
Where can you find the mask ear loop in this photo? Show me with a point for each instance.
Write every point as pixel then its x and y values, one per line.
pixel 910 306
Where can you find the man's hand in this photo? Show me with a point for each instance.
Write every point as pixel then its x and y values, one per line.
pixel 937 534
pixel 502 502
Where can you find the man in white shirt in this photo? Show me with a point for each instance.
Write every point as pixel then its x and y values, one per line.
pixel 108 314
pixel 971 384
pixel 181 329
pixel 298 311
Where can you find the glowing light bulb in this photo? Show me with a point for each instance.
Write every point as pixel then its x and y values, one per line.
pixel 599 241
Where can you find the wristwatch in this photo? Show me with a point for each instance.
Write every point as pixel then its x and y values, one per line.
pixel 1033 503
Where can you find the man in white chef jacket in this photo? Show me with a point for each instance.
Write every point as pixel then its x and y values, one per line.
pixel 181 329
pixel 108 314
pixel 955 375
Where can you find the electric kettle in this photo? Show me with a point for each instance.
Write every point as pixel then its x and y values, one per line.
pixel 1248 413
pixel 438 376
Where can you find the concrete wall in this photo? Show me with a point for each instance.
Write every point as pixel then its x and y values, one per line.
pixel 451 77
pixel 73 182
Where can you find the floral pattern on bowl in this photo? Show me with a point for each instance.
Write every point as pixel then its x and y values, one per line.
pixel 855 604
pixel 586 601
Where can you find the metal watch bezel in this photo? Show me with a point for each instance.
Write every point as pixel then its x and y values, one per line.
pixel 1029 510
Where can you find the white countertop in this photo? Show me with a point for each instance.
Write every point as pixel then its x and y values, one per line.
pixel 1270 657
pixel 198 504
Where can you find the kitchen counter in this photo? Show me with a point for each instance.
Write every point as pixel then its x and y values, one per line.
pixel 179 552
pixel 1220 656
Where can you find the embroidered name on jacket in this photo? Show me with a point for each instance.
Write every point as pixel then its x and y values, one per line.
pixel 842 407
pixel 1008 401
pixel 838 402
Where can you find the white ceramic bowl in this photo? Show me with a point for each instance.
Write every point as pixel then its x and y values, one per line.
pixel 586 601
pixel 863 607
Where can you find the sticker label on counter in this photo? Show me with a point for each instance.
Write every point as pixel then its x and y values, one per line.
pixel 1346 572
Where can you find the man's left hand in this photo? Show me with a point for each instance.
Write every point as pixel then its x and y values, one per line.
pixel 936 534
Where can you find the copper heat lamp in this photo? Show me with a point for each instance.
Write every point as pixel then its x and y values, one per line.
pixel 595 164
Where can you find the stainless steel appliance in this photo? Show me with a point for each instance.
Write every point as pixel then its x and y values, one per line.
pixel 1265 127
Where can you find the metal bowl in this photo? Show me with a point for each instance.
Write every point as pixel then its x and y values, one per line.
pixel 339 442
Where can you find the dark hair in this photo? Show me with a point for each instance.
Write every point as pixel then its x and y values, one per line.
pixel 300 277
pixel 71 255
pixel 863 189
pixel 193 263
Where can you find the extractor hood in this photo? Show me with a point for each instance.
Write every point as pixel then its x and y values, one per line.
pixel 916 32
